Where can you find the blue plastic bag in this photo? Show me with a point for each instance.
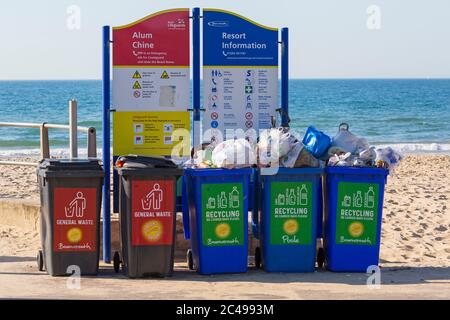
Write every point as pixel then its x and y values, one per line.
pixel 316 142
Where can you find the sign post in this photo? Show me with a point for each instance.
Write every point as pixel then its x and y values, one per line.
pixel 106 145
pixel 196 75
pixel 151 85
pixel 285 77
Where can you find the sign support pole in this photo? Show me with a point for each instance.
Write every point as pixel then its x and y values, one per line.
pixel 196 76
pixel 285 77
pixel 106 145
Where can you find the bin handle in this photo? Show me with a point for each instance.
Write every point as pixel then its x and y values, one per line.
pixel 185 209
pixel 344 126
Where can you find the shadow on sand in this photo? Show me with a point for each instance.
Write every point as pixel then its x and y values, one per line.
pixel 391 275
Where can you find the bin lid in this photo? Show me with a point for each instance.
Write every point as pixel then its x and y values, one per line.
pixel 143 162
pixel 69 164
pixel 357 171
pixel 68 167
pixel 219 172
pixel 140 166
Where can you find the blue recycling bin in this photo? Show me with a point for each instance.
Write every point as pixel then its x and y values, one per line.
pixel 353 216
pixel 216 220
pixel 288 209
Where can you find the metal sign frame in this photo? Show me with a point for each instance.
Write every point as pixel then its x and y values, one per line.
pixel 196 109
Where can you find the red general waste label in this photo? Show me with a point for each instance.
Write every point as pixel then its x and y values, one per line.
pixel 161 39
pixel 75 220
pixel 152 212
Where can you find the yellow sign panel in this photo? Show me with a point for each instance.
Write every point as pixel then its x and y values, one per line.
pixel 149 133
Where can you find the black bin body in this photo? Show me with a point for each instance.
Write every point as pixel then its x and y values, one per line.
pixel 71 195
pixel 147 205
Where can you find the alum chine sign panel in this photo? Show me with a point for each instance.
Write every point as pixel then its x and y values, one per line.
pixel 151 83
pixel 240 59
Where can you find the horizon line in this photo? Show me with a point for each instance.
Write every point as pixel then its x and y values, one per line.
pixel 293 78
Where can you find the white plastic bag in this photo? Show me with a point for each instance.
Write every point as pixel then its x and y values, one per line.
pixel 388 158
pixel 274 144
pixel 234 154
pixel 348 141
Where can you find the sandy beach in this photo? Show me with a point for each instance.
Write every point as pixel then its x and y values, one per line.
pixel 416 222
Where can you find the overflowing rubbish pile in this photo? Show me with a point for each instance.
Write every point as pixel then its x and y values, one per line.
pixel 278 146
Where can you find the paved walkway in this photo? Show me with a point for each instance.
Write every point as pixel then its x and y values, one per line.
pixel 19 278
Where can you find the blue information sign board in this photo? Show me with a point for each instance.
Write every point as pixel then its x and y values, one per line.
pixel 240 63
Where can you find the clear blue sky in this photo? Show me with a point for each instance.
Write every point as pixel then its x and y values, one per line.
pixel 329 38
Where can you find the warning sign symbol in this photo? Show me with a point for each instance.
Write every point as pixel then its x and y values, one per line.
pixel 137 75
pixel 165 75
pixel 137 86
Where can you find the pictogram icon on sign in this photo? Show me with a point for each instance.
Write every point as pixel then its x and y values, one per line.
pixel 137 86
pixel 137 75
pixel 76 206
pixel 153 199
pixel 165 75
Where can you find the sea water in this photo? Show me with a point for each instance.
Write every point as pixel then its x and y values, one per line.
pixel 411 115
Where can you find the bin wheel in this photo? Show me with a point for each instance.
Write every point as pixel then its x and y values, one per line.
pixel 40 260
pixel 258 258
pixel 320 257
pixel 116 262
pixel 190 259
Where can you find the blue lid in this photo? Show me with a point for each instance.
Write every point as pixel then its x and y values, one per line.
pixel 218 172
pixel 357 170
pixel 300 170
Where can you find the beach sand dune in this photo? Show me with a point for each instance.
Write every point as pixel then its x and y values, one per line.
pixel 416 222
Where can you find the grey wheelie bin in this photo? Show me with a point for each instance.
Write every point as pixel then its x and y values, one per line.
pixel 71 195
pixel 147 216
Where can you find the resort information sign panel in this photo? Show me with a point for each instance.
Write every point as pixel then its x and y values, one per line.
pixel 240 59
pixel 151 83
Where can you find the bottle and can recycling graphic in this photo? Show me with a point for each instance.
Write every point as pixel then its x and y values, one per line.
pixel 291 213
pixel 357 213
pixel 222 215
